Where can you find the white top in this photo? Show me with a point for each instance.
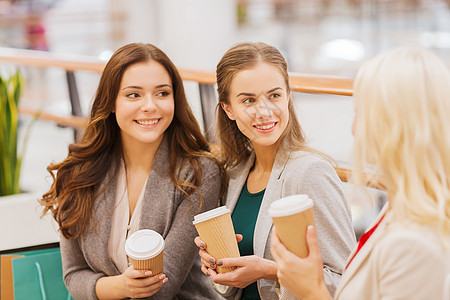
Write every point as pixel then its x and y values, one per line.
pixel 290 205
pixel 210 214
pixel 121 225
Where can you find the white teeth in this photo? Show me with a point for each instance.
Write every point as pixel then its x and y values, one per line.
pixel 265 127
pixel 151 122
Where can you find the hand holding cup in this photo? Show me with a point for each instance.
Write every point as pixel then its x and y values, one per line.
pixel 216 230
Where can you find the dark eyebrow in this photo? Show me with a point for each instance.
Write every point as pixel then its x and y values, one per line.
pixel 140 88
pixel 250 94
pixel 132 87
pixel 164 85
pixel 274 89
pixel 245 94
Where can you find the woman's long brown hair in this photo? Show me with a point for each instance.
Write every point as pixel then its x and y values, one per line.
pixel 78 178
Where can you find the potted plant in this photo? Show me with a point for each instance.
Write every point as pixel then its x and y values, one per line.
pixel 20 214
pixel 10 160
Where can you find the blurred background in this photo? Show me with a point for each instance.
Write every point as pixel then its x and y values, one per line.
pixel 328 37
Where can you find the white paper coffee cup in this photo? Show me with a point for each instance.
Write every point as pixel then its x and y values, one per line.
pixel 215 228
pixel 291 216
pixel 145 250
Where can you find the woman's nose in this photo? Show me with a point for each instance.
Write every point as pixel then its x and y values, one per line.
pixel 264 108
pixel 148 104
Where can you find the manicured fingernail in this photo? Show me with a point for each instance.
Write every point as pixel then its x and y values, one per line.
pixel 148 273
pixel 212 266
pixel 310 227
pixel 165 280
pixel 207 273
pixel 212 260
pixel 161 276
pixel 202 245
pixel 219 263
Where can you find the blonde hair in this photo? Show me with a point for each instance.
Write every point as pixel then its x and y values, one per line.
pixel 403 128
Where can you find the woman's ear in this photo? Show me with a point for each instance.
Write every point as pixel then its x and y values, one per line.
pixel 227 109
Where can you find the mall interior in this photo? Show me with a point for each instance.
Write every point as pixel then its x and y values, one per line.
pixel 320 38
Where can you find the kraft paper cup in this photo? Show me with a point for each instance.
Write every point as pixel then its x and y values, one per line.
pixel 145 250
pixel 291 217
pixel 216 230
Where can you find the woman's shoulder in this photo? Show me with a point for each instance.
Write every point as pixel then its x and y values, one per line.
pixel 409 239
pixel 308 162
pixel 406 255
pixel 210 165
pixel 209 168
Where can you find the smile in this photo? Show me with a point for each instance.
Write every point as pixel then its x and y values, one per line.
pixel 148 122
pixel 266 126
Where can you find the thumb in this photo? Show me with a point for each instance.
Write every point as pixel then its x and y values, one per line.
pixel 312 242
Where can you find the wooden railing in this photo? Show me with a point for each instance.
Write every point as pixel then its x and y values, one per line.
pixel 71 63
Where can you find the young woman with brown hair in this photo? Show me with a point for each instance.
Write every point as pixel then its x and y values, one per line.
pixel 142 164
pixel 267 158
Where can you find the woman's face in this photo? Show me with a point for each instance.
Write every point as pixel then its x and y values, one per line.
pixel 145 105
pixel 258 102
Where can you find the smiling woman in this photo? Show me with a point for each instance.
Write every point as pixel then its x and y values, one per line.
pixel 264 150
pixel 142 164
pixel 144 106
pixel 259 104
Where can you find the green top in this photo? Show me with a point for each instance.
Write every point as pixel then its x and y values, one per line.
pixel 244 220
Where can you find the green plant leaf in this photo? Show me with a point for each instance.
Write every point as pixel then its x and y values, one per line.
pixel 10 92
pixel 3 134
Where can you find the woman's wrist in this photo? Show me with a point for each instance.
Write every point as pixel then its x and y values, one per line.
pixel 320 293
pixel 269 270
pixel 110 287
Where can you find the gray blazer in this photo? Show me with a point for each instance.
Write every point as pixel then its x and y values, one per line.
pixel 299 173
pixel 164 210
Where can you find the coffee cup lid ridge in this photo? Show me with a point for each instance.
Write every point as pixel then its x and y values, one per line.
pixel 210 214
pixel 144 244
pixel 290 205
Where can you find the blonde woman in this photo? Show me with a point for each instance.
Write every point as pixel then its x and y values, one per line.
pixel 402 129
pixel 267 158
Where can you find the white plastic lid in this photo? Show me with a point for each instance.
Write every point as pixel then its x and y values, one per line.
pixel 144 244
pixel 210 214
pixel 290 205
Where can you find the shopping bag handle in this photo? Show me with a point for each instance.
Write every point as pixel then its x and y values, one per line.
pixel 41 282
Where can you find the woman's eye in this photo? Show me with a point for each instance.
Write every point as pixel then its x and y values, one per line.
pixel 133 95
pixel 162 94
pixel 248 100
pixel 275 96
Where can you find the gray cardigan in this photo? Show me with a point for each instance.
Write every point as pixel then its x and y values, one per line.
pixel 299 173
pixel 164 210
